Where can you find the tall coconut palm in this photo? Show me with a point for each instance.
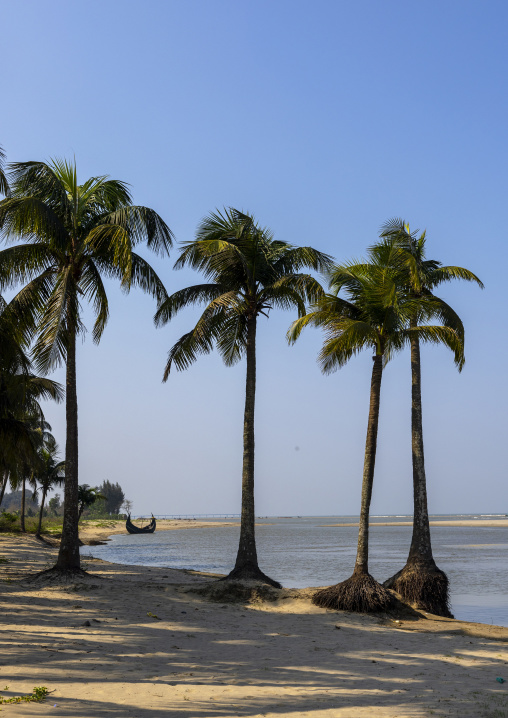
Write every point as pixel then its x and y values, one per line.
pixel 50 473
pixel 75 234
pixel 248 273
pixel 374 315
pixel 421 582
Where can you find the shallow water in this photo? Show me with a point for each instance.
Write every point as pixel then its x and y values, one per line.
pixel 304 551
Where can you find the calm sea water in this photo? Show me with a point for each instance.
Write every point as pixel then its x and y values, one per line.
pixel 304 551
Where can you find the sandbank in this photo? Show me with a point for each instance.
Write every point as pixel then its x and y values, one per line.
pixel 94 531
pixel 482 523
pixel 137 641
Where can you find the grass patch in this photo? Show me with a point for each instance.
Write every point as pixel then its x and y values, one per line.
pixel 38 694
pixel 10 523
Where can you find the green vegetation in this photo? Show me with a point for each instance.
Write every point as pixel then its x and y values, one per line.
pixel 50 473
pixel 11 523
pixel 87 497
pixel 39 693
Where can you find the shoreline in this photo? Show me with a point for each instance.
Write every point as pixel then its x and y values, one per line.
pixel 139 641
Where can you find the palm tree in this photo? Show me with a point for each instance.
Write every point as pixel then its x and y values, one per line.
pixel 374 316
pixel 87 497
pixel 74 235
pixel 51 472
pixel 421 582
pixel 30 464
pixel 21 391
pixel 248 273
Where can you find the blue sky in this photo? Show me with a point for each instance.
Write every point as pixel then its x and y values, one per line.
pixel 324 119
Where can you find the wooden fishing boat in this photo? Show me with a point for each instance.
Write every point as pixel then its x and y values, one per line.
pixel 132 529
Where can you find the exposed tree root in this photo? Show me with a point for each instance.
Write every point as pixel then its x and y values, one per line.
pixel 359 593
pixel 424 586
pixel 250 572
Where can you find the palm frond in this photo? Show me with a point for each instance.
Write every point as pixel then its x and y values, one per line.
pixel 190 296
pixel 293 259
pixel 92 286
pixel 41 181
pixel 441 335
pixel 144 276
pixel 33 220
pixel 59 319
pixel 143 225
pixel 24 310
pixel 111 245
pixel 232 339
pixel 446 274
pixel 304 288
pixel 345 340
pixel 199 340
pixel 23 262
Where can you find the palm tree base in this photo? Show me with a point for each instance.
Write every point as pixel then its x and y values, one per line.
pixel 360 593
pixel 423 585
pixel 250 572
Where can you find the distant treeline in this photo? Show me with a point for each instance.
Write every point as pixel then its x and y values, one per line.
pixel 114 498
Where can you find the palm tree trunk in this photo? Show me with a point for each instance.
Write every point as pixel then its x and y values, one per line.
pixel 246 566
pixel 22 512
pixel 361 592
pixel 68 556
pixel 43 499
pixel 421 548
pixel 420 582
pixel 362 554
pixel 4 486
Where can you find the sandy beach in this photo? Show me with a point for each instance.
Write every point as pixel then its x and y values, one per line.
pixel 137 641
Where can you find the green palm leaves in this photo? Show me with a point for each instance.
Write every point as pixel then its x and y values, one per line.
pixel 74 236
pixel 250 273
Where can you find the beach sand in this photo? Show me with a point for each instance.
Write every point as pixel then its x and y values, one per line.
pixel 93 644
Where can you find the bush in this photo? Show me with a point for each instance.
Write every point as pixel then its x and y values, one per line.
pixel 8 521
